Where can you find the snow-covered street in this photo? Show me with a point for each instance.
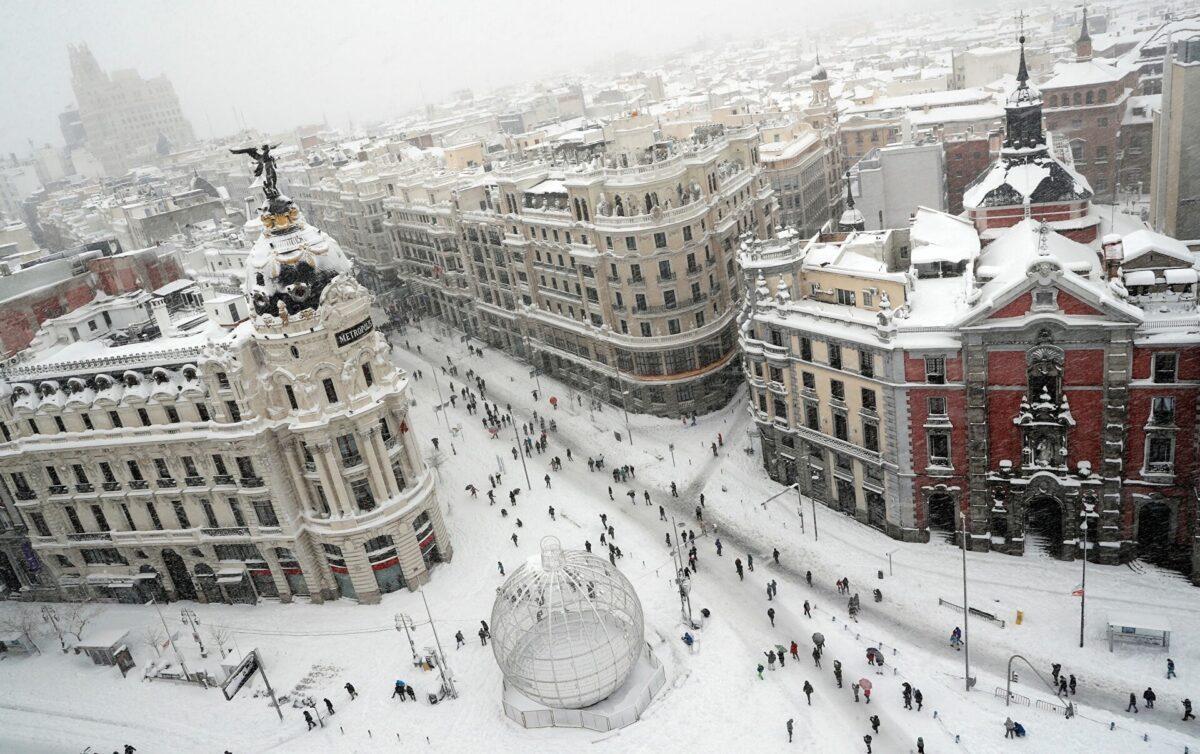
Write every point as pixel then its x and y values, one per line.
pixel 714 699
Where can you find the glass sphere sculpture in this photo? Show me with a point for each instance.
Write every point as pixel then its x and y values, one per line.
pixel 566 627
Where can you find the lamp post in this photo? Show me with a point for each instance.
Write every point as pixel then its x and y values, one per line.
pixel 966 612
pixel 521 455
pixel 1086 513
pixel 812 499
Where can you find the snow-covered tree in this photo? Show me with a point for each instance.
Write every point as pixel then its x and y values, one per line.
pixel 77 616
pixel 23 620
pixel 220 636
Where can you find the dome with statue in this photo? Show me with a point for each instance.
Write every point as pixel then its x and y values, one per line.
pixel 566 627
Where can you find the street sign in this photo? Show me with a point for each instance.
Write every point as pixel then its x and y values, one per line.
pixel 246 668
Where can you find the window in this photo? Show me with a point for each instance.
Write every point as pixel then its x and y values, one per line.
pixel 236 509
pixel 845 297
pixel 115 418
pixel 780 409
pixel 361 489
pixel 265 513
pixel 86 418
pixel 664 270
pixel 840 428
pixel 181 514
pixel 809 379
pixel 805 349
pixel 202 411
pixel 106 472
pixel 837 389
pixel 58 423
pixel 868 399
pixel 291 396
pixel 73 517
pixel 135 471
pixel 385 432
pixel 939 448
pixel 673 326
pixel 699 319
pixel 1165 366
pixel 645 329
pixel 660 240
pixel 210 516
pixel 219 465
pixel 868 299
pixel 330 390
pixel 246 468
pixel 1160 454
pixel 80 475
pixel 835 356
pixel 235 413
pixel 101 520
pixel 367 376
pixel 871 437
pixel 866 364
pixel 937 406
pixel 687 233
pixel 1045 298
pixel 39 523
pixel 160 466
pixel 935 370
pixel 144 416
pixel 223 380
pixel 348 447
pixel 669 300
pixel 155 521
pixel 1162 411
pixel 172 415
pixel 812 418
pixel 631 243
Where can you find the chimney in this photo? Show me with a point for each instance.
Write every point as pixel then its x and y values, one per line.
pixel 1113 252
pixel 158 308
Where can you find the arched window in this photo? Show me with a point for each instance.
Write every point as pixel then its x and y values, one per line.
pixel 1052 100
pixel 1077 99
pixel 1091 97
pixel 583 206
pixel 1104 95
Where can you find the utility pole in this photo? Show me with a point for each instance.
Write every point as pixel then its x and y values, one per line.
pixel 812 499
pixel 521 455
pixel 171 641
pixel 189 617
pixel 447 678
pixel 685 599
pixel 445 413
pixel 671 447
pixel 1088 512
pixel 263 672
pixel 966 612
pixel 403 621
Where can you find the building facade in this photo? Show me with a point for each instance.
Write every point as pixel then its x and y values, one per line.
pixel 127 120
pixel 1175 169
pixel 271 459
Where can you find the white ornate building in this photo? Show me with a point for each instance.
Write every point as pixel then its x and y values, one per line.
pixel 273 458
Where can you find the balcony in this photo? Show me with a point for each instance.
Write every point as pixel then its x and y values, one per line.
pixel 251 481
pixel 227 531
pixel 138 484
pixel 166 482
pixel 89 536
pixel 391 441
pixel 666 276
pixel 694 270
pixel 193 481
pixel 26 494
pixel 223 479
pixel 637 280
pixel 58 489
pixel 86 487
pixel 111 486
pixel 350 462
pixel 310 465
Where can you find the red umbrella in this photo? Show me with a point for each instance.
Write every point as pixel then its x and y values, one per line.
pixel 865 684
pixel 553 401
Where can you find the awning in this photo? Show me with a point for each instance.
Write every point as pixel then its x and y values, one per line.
pixel 109 579
pixel 1184 276
pixel 1139 277
pixel 231 575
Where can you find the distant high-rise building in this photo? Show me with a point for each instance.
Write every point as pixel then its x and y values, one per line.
pixel 1175 198
pixel 125 117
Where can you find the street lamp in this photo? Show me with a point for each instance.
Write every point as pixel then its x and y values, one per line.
pixel 1086 513
pixel 966 612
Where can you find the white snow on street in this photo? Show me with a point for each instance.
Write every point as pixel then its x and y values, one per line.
pixel 713 699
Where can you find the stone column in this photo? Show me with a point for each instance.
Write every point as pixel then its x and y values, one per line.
pixel 385 463
pixel 361 574
pixel 409 552
pixel 331 478
pixel 281 584
pixel 374 472
pixel 315 569
pixel 296 471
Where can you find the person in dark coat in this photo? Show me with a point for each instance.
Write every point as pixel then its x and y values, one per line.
pixel 875 723
pixel 329 706
pixel 308 719
pixel 350 690
pixel 1187 710
pixel 816 655
pixel 808 689
pixel 1072 684
pixel 771 615
pixel 1132 703
pixel 867 740
pixel 398 690
pixel 790 722
pixel 412 695
pixel 1149 696
pixel 918 698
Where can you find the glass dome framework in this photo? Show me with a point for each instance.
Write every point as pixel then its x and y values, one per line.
pixel 567 628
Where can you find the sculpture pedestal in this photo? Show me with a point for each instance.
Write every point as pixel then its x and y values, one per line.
pixel 623 707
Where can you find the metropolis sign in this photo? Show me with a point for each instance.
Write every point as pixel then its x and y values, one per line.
pixel 351 334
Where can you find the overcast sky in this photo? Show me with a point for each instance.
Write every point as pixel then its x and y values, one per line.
pixel 285 63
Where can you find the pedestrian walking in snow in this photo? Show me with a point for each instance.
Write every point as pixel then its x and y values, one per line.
pixel 807 609
pixel 309 719
pixel 398 690
pixel 350 690
pixel 482 638
pixel 552 513
pixel 662 513
pixel 547 478
pixel 866 696
pixel 500 566
pixel 458 638
pixel 760 670
pixel 1170 668
pixel 130 748
pixel 816 655
pixel 519 524
pixel 674 490
pixel 920 745
pixel 854 687
pixel 837 676
pixel 714 450
pixel 1055 669
pixel 587 545
pixel 514 539
pixel 867 740
pixel 775 555
pixel 329 706
pixel 750 561
pixel 610 495
pixel 412 695
pixel 699 515
pixel 789 729
pixel 808 691
pixel 1187 710
pixel 771 615
pixel 906 692
pixel 770 596
pixel 646 496
pixel 795 651
pixel 737 563
pixel 918 698
pixel 1149 696
pixel 668 538
pixel 1010 728
pixel 1132 703
pixel 718 545
pixel 770 659
pixel 1072 684
pixel 1062 685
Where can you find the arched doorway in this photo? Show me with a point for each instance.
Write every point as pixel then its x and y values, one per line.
pixel 177 570
pixel 1154 532
pixel 941 513
pixel 206 579
pixel 1044 525
pixel 149 586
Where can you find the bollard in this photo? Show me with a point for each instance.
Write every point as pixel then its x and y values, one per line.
pixel 935 714
pixel 893 651
pixel 1112 726
pixel 955 738
pixel 369 734
pixel 343 730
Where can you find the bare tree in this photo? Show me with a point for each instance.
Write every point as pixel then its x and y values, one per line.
pixel 220 636
pixel 154 637
pixel 23 620
pixel 77 616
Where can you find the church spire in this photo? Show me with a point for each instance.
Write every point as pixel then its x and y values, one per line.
pixel 1022 69
pixel 1023 135
pixel 1083 45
